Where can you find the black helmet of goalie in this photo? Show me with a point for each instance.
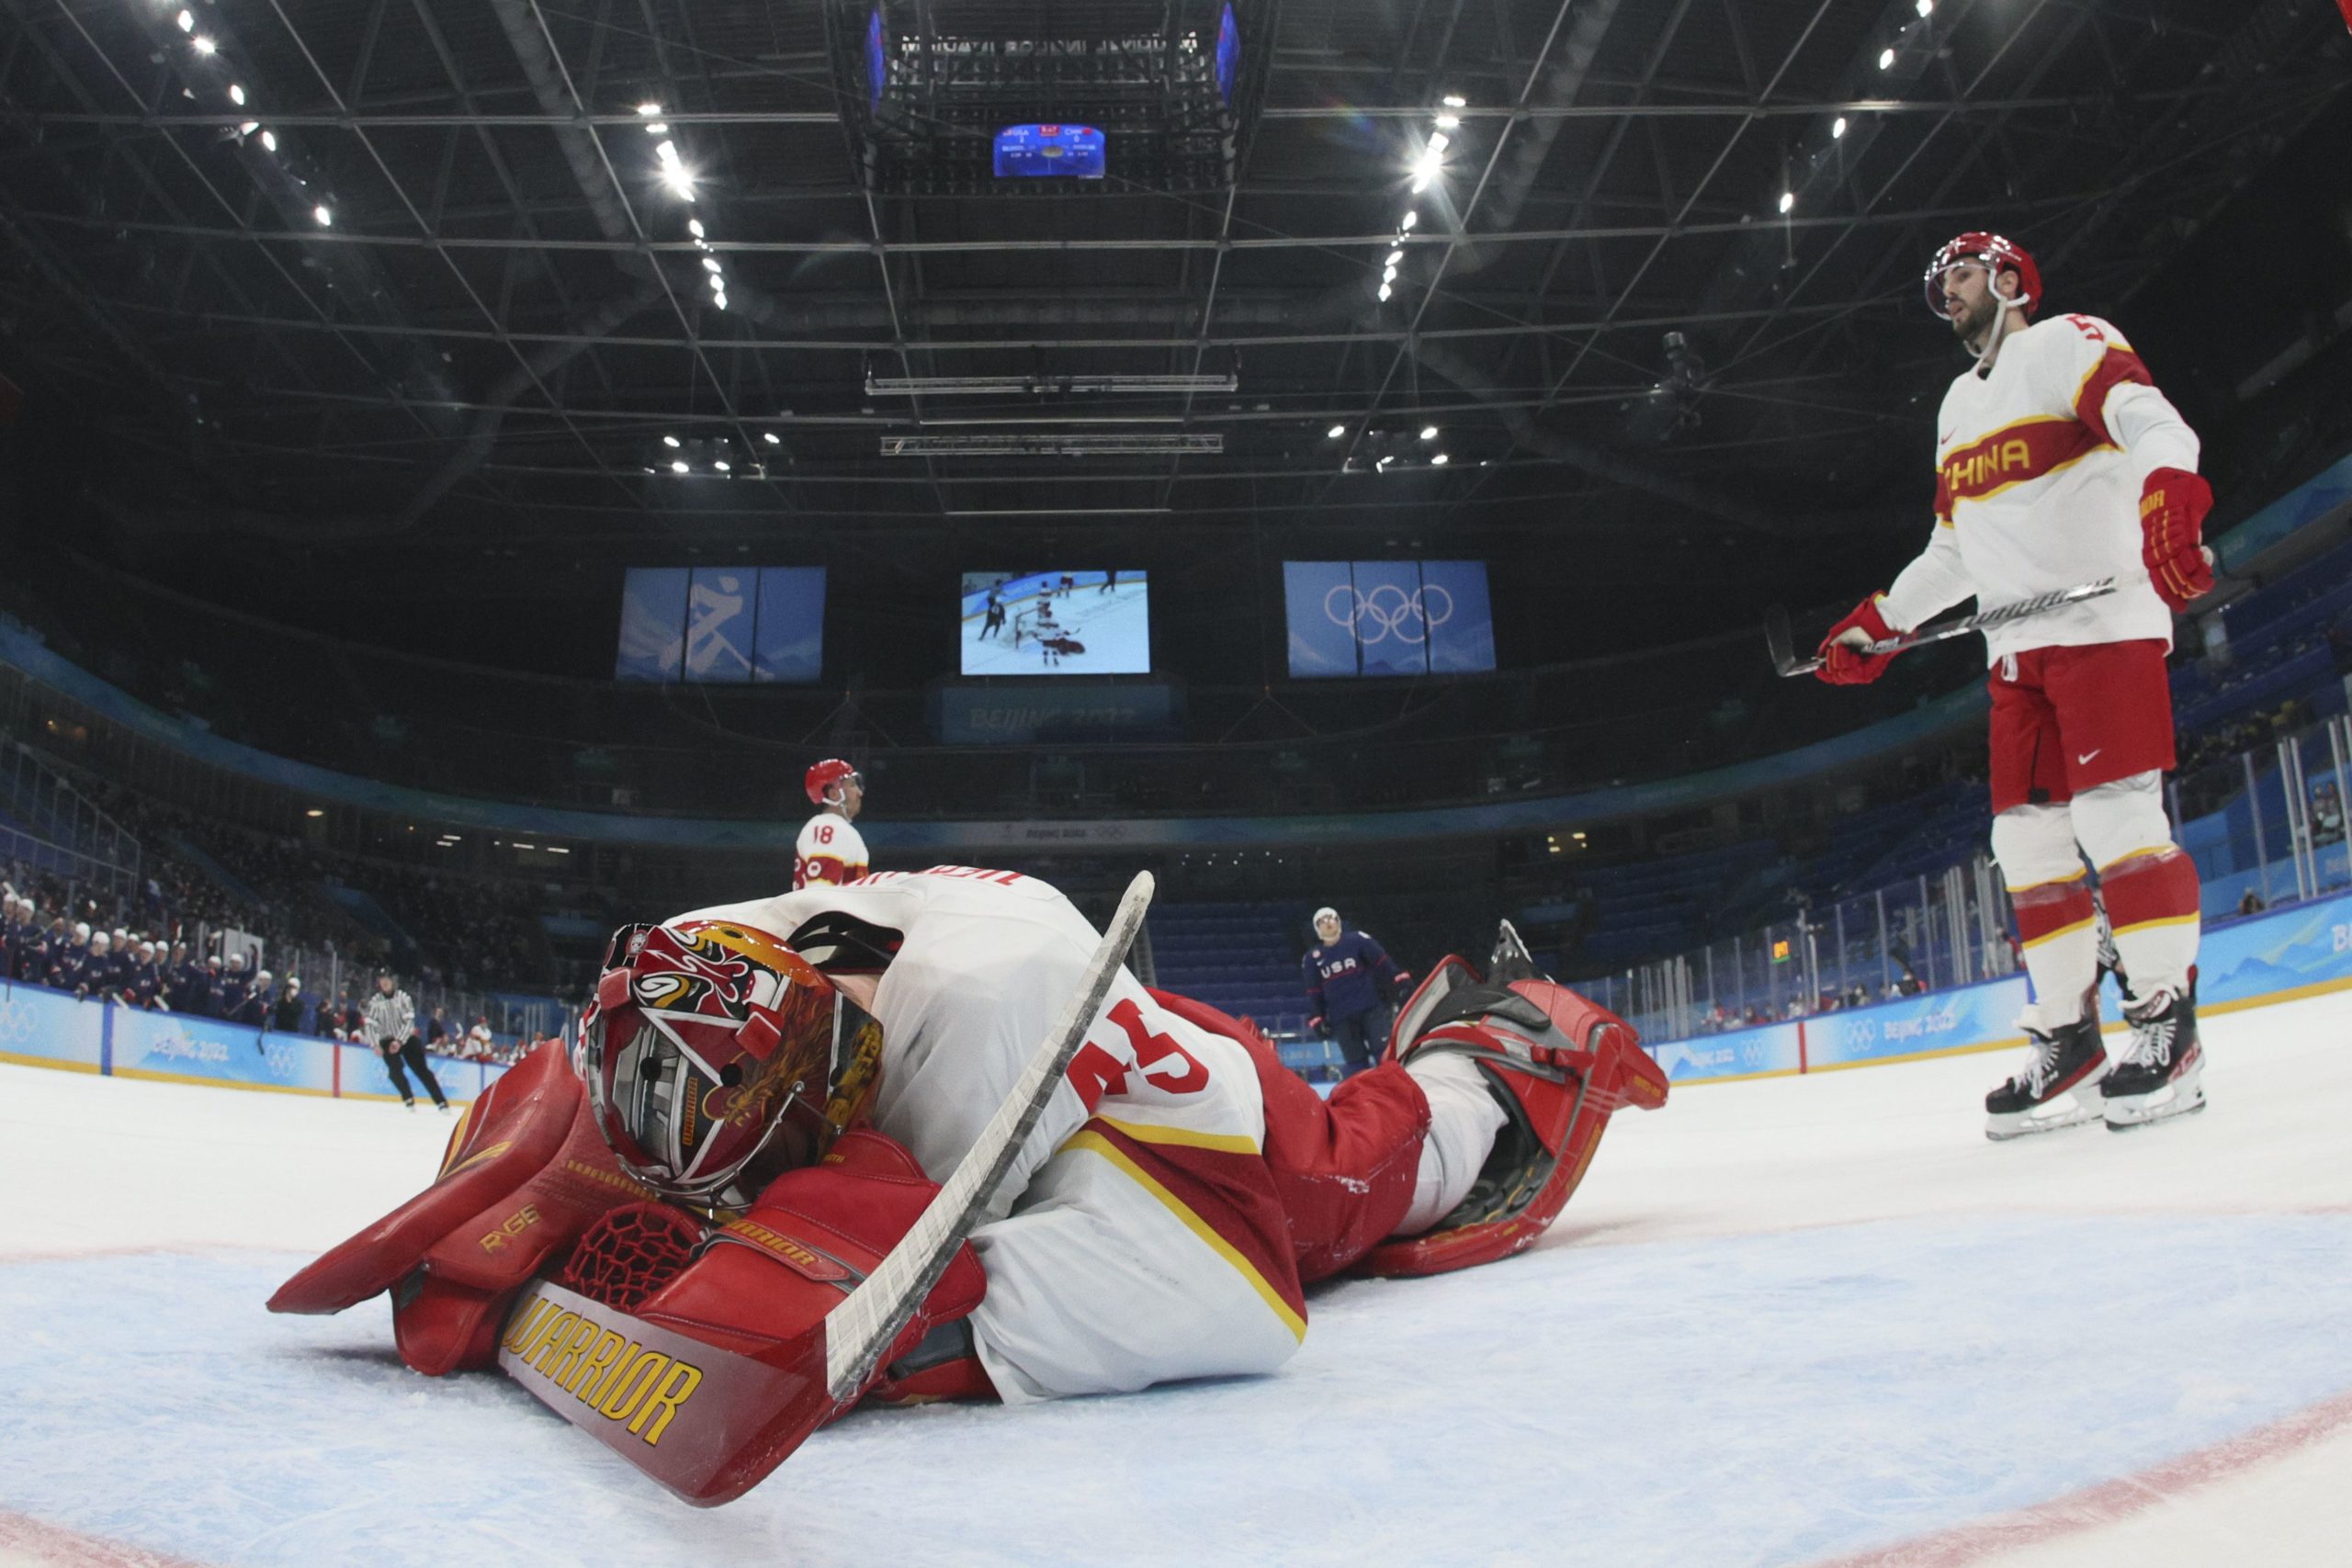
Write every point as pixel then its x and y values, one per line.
pixel 710 1046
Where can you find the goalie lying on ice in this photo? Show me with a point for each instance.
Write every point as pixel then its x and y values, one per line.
pixel 771 1089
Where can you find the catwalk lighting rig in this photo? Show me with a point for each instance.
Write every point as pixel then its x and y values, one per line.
pixel 929 86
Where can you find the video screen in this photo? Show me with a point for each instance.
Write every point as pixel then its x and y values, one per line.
pixel 723 624
pixel 1388 617
pixel 1056 623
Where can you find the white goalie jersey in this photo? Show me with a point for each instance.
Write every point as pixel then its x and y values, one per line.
pixel 1137 1238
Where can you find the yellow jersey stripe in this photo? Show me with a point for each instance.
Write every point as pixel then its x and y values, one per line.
pixel 1095 1143
pixel 1150 1133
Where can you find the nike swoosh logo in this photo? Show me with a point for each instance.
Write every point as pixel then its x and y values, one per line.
pixel 2087 756
pixel 1944 439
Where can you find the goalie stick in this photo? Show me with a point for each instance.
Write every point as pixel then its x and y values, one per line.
pixel 1785 660
pixel 710 1424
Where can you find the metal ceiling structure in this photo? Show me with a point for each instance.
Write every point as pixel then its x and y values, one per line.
pixel 414 269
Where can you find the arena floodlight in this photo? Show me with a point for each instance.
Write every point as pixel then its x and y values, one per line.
pixel 203 45
pixel 1336 432
pixel 1438 460
pixel 678 467
pixel 237 95
pixel 671 441
pixel 1837 127
pixel 324 216
pixel 186 20
pixel 1428 433
pixel 772 438
pixel 1788 200
pixel 1886 59
pixel 1455 101
pixel 269 140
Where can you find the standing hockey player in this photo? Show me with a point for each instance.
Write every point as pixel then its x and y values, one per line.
pixel 810 1066
pixel 2058 463
pixel 830 852
pixel 1347 972
pixel 993 622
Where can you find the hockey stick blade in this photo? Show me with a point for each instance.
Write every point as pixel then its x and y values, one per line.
pixel 1787 663
pixel 858 1331
pixel 1777 638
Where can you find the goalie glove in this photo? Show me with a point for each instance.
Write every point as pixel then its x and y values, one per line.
pixel 525 1175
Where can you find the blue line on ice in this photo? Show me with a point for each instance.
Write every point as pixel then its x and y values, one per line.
pixel 1758 1400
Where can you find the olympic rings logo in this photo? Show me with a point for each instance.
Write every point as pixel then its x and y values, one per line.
pixel 17 1024
pixel 1388 609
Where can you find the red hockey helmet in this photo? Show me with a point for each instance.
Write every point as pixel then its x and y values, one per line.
pixel 826 778
pixel 709 1044
pixel 1997 255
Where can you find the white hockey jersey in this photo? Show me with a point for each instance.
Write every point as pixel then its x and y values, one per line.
pixel 828 853
pixel 1139 1237
pixel 2039 464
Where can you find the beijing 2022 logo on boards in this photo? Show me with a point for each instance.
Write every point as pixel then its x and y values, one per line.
pixel 1388 609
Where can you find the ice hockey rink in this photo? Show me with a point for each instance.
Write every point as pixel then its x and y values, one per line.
pixel 1800 1321
pixel 1114 626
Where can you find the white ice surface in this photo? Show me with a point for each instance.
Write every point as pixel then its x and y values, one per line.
pixel 1784 1322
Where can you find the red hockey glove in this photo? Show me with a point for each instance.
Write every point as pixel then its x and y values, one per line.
pixel 2173 504
pixel 1842 663
pixel 526 1173
pixel 738 1332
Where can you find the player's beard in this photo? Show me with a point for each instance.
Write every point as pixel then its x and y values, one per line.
pixel 1973 323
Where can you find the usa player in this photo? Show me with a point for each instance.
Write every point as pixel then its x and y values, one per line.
pixel 1346 975
pixel 830 852
pixel 806 1068
pixel 2058 463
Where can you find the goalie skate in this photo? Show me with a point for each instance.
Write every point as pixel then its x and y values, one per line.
pixel 2058 1087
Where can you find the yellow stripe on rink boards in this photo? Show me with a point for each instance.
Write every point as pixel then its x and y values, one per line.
pixel 1095 1143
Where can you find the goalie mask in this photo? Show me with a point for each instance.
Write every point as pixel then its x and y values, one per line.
pixel 711 1044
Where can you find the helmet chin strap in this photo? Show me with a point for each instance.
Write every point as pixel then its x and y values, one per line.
pixel 2000 326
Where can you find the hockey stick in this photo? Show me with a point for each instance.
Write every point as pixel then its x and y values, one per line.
pixel 861 1328
pixel 1785 660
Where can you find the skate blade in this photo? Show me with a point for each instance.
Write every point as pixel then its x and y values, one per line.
pixel 2124 1116
pixel 2025 1125
pixel 2184 1096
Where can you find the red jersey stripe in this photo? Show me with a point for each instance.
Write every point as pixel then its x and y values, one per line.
pixel 2115 367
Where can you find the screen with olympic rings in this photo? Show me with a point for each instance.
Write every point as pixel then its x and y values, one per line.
pixel 1394 617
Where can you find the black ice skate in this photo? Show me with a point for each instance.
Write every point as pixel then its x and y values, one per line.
pixel 2054 1088
pixel 2163 1075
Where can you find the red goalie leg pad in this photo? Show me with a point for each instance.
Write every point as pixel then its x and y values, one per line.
pixel 1342 1168
pixel 2154 887
pixel 1561 1065
pixel 524 1175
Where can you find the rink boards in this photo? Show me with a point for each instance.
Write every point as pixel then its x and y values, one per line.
pixel 42 1028
pixel 2299 952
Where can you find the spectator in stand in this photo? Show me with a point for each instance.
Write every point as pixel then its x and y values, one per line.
pixel 30 952
pixel 286 1012
pixel 480 1044
pixel 183 980
pixel 2250 903
pixel 391 1028
pixel 209 1000
pixel 436 1032
pixel 2327 814
pixel 1346 972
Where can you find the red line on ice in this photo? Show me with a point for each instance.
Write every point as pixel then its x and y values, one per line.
pixel 2110 1501
pixel 62 1548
